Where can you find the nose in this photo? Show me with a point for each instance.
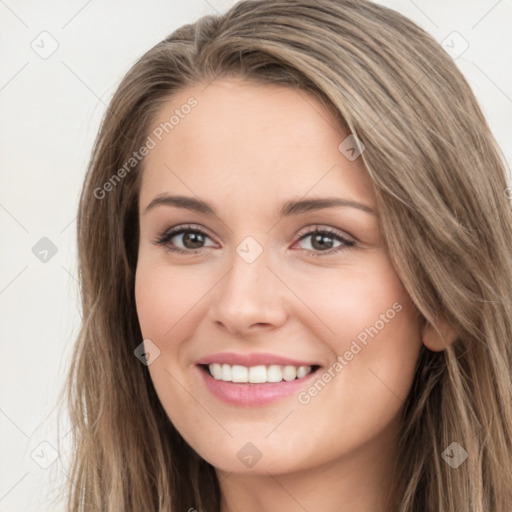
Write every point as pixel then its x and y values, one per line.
pixel 250 298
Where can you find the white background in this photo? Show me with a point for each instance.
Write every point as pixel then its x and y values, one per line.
pixel 50 110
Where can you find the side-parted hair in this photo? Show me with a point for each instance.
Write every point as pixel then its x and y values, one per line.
pixel 441 191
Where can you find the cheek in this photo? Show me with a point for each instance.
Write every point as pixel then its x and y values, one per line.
pixel 373 334
pixel 154 301
pixel 364 303
pixel 165 298
pixel 375 349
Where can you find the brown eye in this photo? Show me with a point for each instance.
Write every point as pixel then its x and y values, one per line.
pixel 190 238
pixel 323 242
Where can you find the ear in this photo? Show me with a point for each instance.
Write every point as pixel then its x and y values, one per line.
pixel 438 341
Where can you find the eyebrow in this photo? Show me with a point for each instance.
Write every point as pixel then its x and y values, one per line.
pixel 287 209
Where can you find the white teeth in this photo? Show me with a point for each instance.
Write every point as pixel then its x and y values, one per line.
pixel 239 373
pixel 302 371
pixel 274 373
pixel 289 373
pixel 257 374
pixel 226 372
pixel 216 371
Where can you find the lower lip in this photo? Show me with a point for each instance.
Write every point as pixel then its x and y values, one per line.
pixel 251 395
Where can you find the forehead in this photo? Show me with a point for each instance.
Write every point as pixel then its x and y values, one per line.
pixel 241 138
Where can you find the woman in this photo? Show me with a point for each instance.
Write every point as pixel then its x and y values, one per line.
pixel 294 249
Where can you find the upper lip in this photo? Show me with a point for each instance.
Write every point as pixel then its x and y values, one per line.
pixel 254 359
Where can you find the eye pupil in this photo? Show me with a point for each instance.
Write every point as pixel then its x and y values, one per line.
pixel 194 238
pixel 319 241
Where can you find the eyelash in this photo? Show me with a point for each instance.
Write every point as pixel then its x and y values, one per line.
pixel 166 236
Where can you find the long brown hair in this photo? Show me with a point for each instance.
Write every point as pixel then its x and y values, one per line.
pixel 440 185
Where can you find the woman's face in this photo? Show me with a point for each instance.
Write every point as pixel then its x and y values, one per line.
pixel 265 285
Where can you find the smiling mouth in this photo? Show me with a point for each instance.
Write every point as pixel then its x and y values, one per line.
pixel 260 374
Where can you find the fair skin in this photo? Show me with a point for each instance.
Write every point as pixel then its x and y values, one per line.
pixel 246 149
